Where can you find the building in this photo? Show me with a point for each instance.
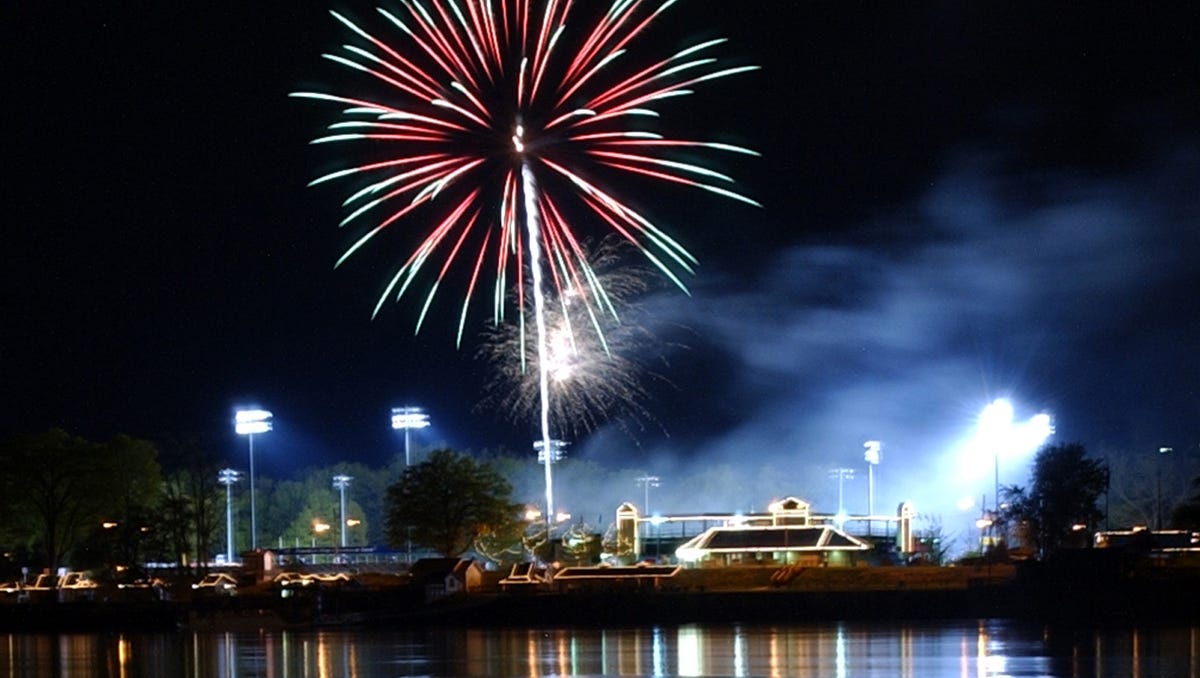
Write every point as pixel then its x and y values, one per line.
pixel 806 545
pixel 441 577
pixel 788 533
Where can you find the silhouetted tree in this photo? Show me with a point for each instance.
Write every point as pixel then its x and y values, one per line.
pixel 175 522
pixel 449 501
pixel 1143 479
pixel 283 508
pixel 1066 489
pixel 137 479
pixel 191 516
pixel 63 487
pixel 1186 516
pixel 933 540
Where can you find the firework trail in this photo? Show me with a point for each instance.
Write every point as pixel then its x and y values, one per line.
pixel 489 116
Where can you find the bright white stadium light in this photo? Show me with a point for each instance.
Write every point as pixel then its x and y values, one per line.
pixel 407 418
pixel 247 423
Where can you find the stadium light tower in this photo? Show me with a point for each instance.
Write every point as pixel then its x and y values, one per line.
pixel 872 457
pixel 228 477
pixel 1002 435
pixel 408 418
pixel 556 453
pixel 340 483
pixel 1158 512
pixel 842 474
pixel 247 423
pixel 647 482
pixel 995 426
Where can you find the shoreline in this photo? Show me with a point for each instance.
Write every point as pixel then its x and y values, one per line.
pixel 1035 593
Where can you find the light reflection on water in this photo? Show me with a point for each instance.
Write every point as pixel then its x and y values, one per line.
pixel 946 650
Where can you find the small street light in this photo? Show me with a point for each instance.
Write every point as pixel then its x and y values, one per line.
pixel 228 477
pixel 340 483
pixel 407 418
pixel 319 527
pixel 247 423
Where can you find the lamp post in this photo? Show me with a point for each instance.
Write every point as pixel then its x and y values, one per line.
pixel 872 458
pixel 228 477
pixel 247 423
pixel 1162 451
pixel 995 424
pixel 408 418
pixel 842 473
pixel 319 527
pixel 350 523
pixel 983 523
pixel 556 452
pixel 999 433
pixel 647 482
pixel 340 483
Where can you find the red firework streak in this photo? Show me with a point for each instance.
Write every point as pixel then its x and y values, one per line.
pixel 472 92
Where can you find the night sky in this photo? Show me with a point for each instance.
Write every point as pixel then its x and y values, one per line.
pixel 960 203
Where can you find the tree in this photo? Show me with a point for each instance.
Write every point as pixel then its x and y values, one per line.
pixel 176 521
pixel 63 487
pixel 191 516
pixel 295 505
pixel 504 547
pixel 280 505
pixel 364 499
pixel 1145 480
pixel 289 510
pixel 581 544
pixel 137 484
pixel 934 542
pixel 449 501
pixel 1066 488
pixel 1186 516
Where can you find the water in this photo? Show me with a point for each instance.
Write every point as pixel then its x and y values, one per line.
pixel 839 650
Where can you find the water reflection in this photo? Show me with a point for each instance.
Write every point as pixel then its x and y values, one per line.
pixel 950 650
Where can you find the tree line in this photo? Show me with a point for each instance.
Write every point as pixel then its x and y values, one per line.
pixel 1069 498
pixel 73 502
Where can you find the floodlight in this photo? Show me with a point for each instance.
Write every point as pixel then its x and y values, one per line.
pixel 247 423
pixel 407 418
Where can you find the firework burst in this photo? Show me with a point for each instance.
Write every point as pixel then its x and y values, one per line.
pixel 492 114
pixel 489 113
pixel 592 376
